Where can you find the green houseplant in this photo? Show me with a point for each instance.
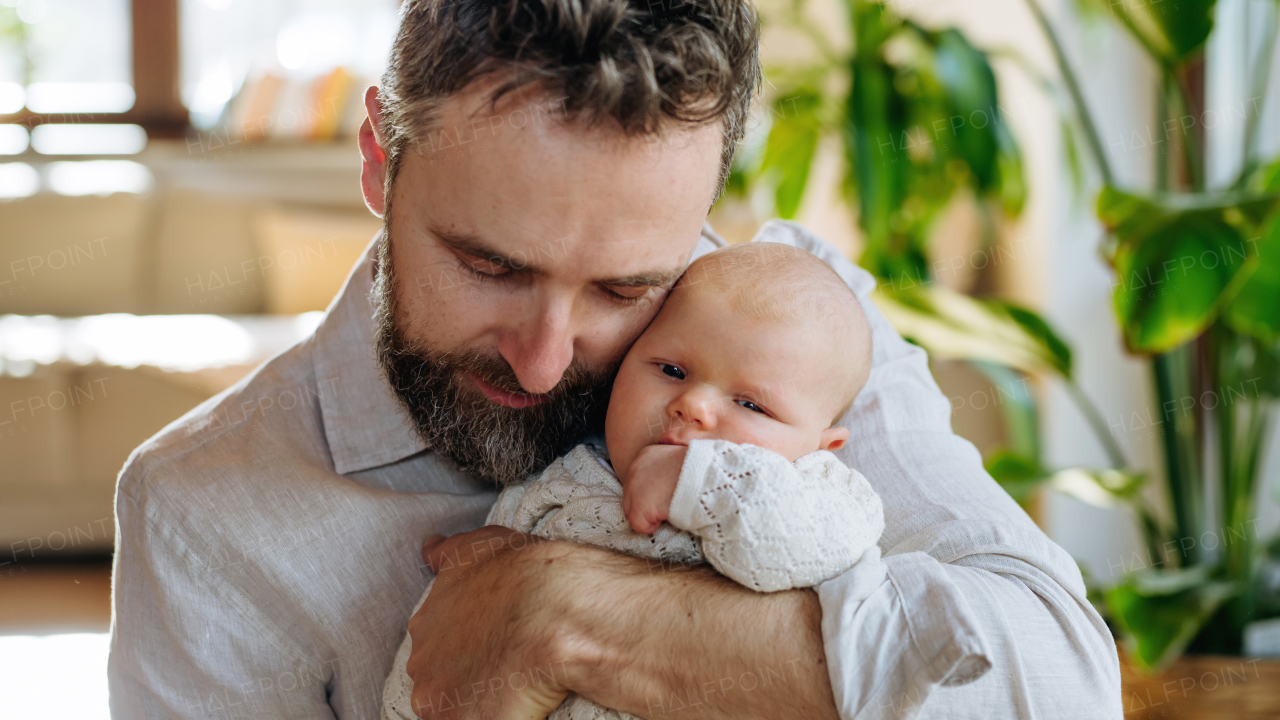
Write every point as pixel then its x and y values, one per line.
pixel 916 114
pixel 1197 293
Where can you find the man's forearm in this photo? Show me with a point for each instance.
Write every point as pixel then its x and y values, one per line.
pixel 669 641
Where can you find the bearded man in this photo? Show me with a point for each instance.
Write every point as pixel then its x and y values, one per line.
pixel 544 170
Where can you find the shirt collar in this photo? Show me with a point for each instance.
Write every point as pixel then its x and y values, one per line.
pixel 364 422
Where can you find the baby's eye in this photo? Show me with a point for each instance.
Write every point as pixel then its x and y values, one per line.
pixel 671 370
pixel 750 406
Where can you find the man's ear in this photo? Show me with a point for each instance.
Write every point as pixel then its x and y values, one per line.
pixel 833 438
pixel 373 163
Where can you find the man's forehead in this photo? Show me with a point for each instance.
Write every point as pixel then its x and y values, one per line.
pixel 544 197
pixel 531 107
pixel 473 117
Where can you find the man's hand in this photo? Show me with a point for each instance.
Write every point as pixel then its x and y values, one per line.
pixel 484 640
pixel 514 623
pixel 651 483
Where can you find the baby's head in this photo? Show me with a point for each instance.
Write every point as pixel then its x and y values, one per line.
pixel 760 343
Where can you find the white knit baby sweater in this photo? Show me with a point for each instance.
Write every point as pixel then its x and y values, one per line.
pixel 764 522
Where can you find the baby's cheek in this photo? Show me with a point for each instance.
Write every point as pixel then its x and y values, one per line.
pixel 779 438
pixel 744 435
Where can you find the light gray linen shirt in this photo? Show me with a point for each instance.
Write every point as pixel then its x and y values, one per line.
pixel 267 549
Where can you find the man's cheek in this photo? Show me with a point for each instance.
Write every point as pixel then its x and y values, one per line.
pixel 617 332
pixel 443 282
pixel 452 323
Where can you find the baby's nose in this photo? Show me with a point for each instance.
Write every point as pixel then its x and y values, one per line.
pixel 693 410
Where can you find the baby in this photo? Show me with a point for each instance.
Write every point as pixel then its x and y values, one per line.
pixel 720 422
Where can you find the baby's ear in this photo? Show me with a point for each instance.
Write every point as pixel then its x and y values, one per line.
pixel 833 438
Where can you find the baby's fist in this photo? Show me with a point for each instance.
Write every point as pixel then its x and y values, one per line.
pixel 650 485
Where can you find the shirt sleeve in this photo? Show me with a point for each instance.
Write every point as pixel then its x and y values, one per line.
pixel 978 614
pixel 185 643
pixel 770 524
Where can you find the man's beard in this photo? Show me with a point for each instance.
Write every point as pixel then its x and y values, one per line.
pixel 501 444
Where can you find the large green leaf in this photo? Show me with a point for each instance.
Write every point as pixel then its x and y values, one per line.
pixel 1022 475
pixel 922 121
pixel 1036 327
pixel 1160 612
pixel 1172 281
pixel 788 153
pixel 1019 475
pixel 954 326
pixel 1112 488
pixel 1013 186
pixel 1105 487
pixel 970 89
pixel 1178 261
pixel 876 126
pixel 1126 214
pixel 1271 177
pixel 1256 308
pixel 1170 31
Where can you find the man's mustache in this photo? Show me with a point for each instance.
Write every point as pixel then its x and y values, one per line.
pixel 498 373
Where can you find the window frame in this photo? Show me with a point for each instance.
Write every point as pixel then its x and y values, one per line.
pixel 157 105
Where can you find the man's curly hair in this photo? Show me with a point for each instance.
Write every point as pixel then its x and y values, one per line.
pixel 647 64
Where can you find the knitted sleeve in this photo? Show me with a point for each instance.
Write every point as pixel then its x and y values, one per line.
pixel 770 524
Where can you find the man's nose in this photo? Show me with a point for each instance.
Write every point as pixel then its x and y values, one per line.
pixel 694 409
pixel 541 347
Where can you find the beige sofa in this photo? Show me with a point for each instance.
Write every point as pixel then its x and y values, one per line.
pixel 261 239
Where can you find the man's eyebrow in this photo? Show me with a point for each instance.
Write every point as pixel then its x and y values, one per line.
pixel 475 247
pixel 652 278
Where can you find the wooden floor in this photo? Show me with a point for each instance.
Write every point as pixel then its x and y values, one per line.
pixel 77 598
pixel 42 600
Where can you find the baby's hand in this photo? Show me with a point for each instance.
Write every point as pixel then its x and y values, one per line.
pixel 650 485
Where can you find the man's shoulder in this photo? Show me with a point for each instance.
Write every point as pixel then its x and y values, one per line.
pixel 269 420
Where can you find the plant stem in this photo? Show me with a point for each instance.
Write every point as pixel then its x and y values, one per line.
pixel 1098 425
pixel 1243 443
pixel 1162 158
pixel 1175 374
pixel 1240 433
pixel 1191 152
pixel 1152 534
pixel 1073 87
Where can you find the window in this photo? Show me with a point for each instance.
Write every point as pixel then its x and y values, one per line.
pixel 88 62
pixel 267 50
pixel 164 66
